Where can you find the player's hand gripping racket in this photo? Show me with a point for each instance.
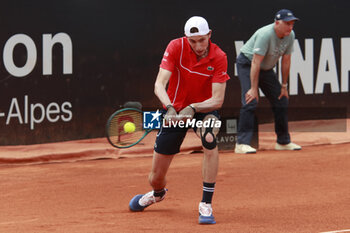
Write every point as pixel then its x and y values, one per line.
pixel 124 128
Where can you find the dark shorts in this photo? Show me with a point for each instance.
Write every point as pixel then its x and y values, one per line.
pixel 169 139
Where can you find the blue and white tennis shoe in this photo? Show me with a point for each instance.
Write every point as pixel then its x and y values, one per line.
pixel 141 201
pixel 206 214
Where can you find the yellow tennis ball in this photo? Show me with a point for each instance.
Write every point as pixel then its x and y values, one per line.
pixel 129 127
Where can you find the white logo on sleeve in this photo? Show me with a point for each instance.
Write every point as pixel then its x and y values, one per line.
pixel 256 49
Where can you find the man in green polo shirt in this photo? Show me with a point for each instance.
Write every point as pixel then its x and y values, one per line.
pixel 255 66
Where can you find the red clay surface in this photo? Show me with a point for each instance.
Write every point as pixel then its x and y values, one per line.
pixel 271 191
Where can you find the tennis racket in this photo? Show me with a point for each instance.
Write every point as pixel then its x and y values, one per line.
pixel 116 134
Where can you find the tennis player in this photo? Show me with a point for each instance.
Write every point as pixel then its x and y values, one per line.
pixel 195 70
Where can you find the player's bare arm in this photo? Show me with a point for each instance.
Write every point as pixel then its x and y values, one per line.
pixel 160 91
pixel 160 86
pixel 253 92
pixel 285 74
pixel 215 102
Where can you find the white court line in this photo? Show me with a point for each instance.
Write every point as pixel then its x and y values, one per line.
pixel 2 114
pixel 337 231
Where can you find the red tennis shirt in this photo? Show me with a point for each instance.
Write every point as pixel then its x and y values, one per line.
pixel 191 80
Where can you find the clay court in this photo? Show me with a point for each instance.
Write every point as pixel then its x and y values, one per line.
pixel 85 186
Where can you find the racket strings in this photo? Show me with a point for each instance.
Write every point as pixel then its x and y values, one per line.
pixel 117 134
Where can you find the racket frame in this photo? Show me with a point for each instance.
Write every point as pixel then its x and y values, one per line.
pixel 146 131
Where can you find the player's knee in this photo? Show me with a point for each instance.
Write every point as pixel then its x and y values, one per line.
pixel 208 133
pixel 208 138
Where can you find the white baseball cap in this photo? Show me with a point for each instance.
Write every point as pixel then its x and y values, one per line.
pixel 196 26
